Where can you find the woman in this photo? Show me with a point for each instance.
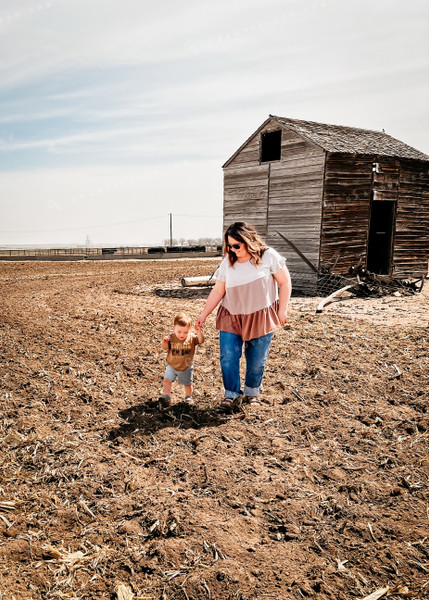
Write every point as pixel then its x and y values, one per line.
pixel 254 287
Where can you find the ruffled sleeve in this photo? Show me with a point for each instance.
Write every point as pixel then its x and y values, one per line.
pixel 276 261
pixel 220 274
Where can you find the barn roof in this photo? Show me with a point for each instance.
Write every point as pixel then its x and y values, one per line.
pixel 337 138
pixel 349 140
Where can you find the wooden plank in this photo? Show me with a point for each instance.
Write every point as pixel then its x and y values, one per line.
pixel 346 210
pixel 411 246
pixel 295 201
pixel 295 184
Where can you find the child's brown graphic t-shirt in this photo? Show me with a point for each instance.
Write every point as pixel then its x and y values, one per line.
pixel 181 353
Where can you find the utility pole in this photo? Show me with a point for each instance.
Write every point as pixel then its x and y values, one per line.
pixel 171 229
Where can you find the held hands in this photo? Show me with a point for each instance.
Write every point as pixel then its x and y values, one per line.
pixel 199 329
pixel 199 323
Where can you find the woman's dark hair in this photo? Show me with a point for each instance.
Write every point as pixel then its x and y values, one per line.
pixel 247 235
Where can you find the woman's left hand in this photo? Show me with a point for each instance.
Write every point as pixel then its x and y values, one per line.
pixel 283 319
pixel 283 281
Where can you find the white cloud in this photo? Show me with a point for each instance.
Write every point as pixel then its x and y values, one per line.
pixel 137 83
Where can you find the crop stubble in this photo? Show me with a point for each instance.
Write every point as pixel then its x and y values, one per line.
pixel 320 493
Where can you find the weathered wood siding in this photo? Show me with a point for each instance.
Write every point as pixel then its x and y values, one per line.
pixel 350 183
pixel 411 243
pixel 385 189
pixel 346 205
pixel 321 202
pixel 246 197
pixel 246 189
pixel 385 182
pixel 284 195
pixel 295 201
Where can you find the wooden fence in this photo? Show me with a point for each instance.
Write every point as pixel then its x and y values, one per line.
pixel 118 253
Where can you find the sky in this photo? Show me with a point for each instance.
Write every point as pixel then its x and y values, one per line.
pixel 115 114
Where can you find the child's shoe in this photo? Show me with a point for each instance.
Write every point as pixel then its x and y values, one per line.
pixel 165 400
pixel 189 400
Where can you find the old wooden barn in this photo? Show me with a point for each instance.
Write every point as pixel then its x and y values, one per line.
pixel 345 197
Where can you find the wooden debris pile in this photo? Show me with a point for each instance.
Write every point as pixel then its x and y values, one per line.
pixel 370 284
pixel 366 284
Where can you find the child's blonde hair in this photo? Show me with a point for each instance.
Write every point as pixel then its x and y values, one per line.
pixel 183 320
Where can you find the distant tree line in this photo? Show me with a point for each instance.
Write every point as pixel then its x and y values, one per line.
pixel 203 241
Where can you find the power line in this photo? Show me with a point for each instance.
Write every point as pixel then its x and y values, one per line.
pixel 83 226
pixel 107 224
pixel 199 216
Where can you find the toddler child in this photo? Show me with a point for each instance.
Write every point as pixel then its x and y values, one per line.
pixel 180 346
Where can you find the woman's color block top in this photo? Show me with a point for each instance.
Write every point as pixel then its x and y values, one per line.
pixel 249 307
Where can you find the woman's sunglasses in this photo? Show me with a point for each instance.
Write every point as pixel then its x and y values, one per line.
pixel 234 246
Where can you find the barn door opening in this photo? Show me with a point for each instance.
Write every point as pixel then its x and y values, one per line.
pixel 380 237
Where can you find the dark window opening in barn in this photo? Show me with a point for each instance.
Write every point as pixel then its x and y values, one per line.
pixel 271 144
pixel 380 237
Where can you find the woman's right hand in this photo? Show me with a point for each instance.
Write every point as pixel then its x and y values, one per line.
pixel 199 323
pixel 215 296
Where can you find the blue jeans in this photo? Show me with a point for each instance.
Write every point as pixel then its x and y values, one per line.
pixel 255 351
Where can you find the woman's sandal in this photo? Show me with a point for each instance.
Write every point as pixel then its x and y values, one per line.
pixel 228 403
pixel 253 401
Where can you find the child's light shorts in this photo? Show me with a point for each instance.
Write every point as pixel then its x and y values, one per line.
pixel 183 377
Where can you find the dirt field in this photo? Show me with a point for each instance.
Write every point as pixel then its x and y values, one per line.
pixel 320 493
